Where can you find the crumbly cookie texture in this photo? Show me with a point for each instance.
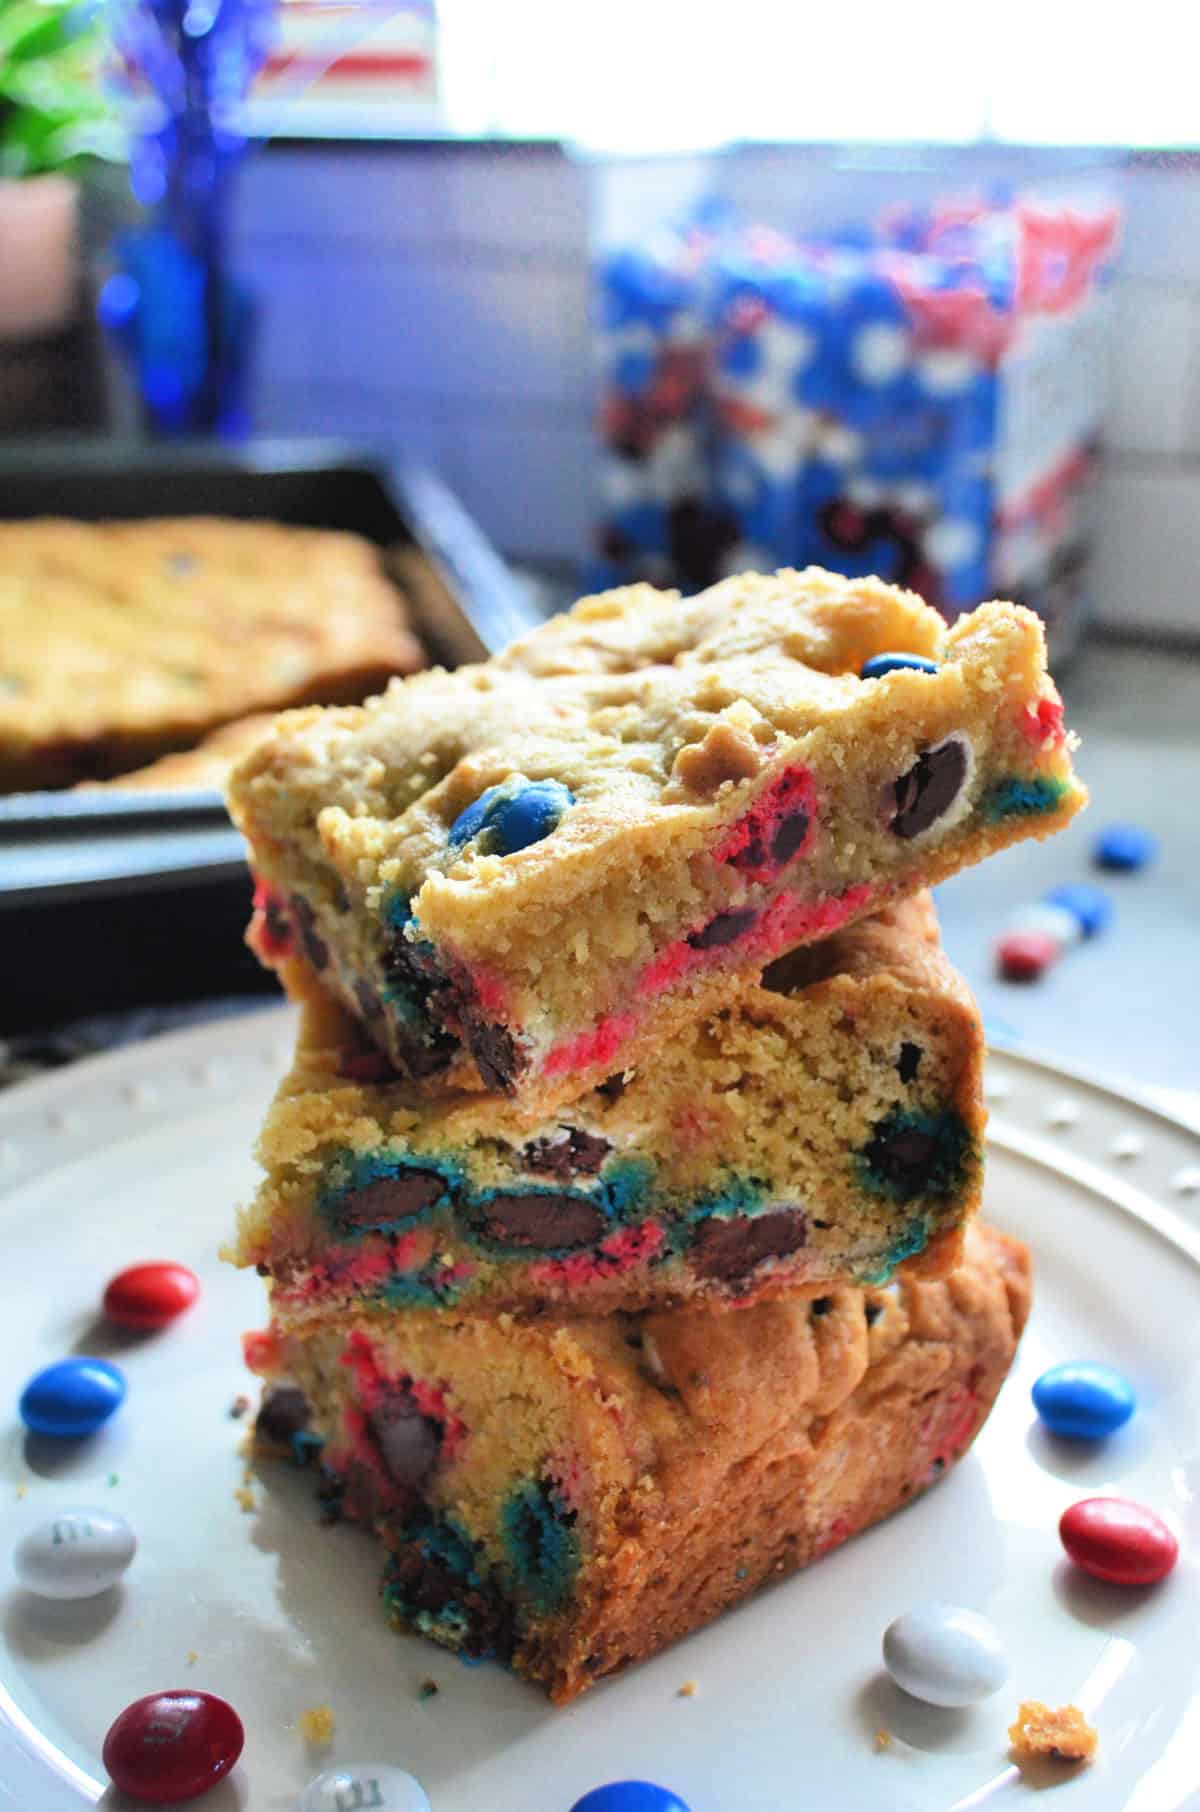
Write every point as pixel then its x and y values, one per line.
pixel 574 1495
pixel 205 768
pixel 561 857
pixel 1064 1735
pixel 825 1127
pixel 120 641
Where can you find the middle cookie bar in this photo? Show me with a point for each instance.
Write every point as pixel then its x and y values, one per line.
pixel 826 1127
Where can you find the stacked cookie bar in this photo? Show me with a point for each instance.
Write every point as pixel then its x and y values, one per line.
pixel 627 1161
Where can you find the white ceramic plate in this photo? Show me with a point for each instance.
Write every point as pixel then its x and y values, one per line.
pixel 142 1155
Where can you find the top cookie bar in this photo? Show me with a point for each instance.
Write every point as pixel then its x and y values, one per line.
pixel 557 858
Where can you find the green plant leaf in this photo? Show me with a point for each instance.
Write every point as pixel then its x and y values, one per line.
pixel 30 31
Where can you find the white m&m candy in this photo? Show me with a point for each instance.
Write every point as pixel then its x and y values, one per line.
pixel 356 1786
pixel 75 1554
pixel 944 1654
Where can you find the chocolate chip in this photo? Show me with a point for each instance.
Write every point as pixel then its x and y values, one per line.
pixel 573 1153
pixel 723 929
pixel 279 925
pixel 409 1443
pixel 613 1087
pixel 284 1412
pixel 906 1159
pixel 789 835
pixel 495 1054
pixel 820 1305
pixel 910 1061
pixel 424 1055
pixel 420 1580
pixel 423 1048
pixel 873 1311
pixel 367 1066
pixel 929 788
pixel 314 946
pixel 731 1247
pixel 551 1222
pixel 388 1199
pixel 752 855
pixel 368 1000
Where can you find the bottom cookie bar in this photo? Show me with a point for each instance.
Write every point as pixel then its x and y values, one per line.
pixel 570 1496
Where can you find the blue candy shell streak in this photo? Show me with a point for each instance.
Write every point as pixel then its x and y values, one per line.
pixel 1016 798
pixel 73 1397
pixel 879 664
pixel 541 1542
pixel 630 1796
pixel 1083 1400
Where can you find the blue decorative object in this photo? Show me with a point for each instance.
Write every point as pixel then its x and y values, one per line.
pixel 512 816
pixel 1083 1400
pixel 72 1397
pixel 1090 907
pixel 879 664
pixel 1126 847
pixel 630 1796
pixel 183 323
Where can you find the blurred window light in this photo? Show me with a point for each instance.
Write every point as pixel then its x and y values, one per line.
pixel 662 75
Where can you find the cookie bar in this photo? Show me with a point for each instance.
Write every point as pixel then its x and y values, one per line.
pixel 563 856
pixel 120 641
pixel 824 1127
pixel 574 1495
pixel 203 769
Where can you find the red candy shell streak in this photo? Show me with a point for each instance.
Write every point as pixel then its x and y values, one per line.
pixel 172 1746
pixel 1115 1539
pixel 150 1295
pixel 793 792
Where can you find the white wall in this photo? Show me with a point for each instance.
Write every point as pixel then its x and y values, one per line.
pixel 435 299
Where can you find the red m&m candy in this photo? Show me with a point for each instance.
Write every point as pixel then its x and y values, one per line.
pixel 172 1746
pixel 149 1296
pixel 1115 1539
pixel 1024 955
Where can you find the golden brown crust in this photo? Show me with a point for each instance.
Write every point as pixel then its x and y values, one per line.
pixel 122 640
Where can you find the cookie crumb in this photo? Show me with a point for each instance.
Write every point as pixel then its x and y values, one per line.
pixel 428 1689
pixel 21 1490
pixel 245 1497
pixel 238 1408
pixel 687 1690
pixel 317 1726
pixel 193 1655
pixel 1064 1735
pixel 883 1740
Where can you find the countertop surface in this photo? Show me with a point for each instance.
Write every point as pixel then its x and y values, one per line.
pixel 1126 1004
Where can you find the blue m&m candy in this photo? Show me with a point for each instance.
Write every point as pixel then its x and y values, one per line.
pixel 528 816
pixel 508 818
pixel 1124 846
pixel 1083 1400
pixel 1089 906
pixel 468 824
pixel 879 664
pixel 72 1397
pixel 629 1796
